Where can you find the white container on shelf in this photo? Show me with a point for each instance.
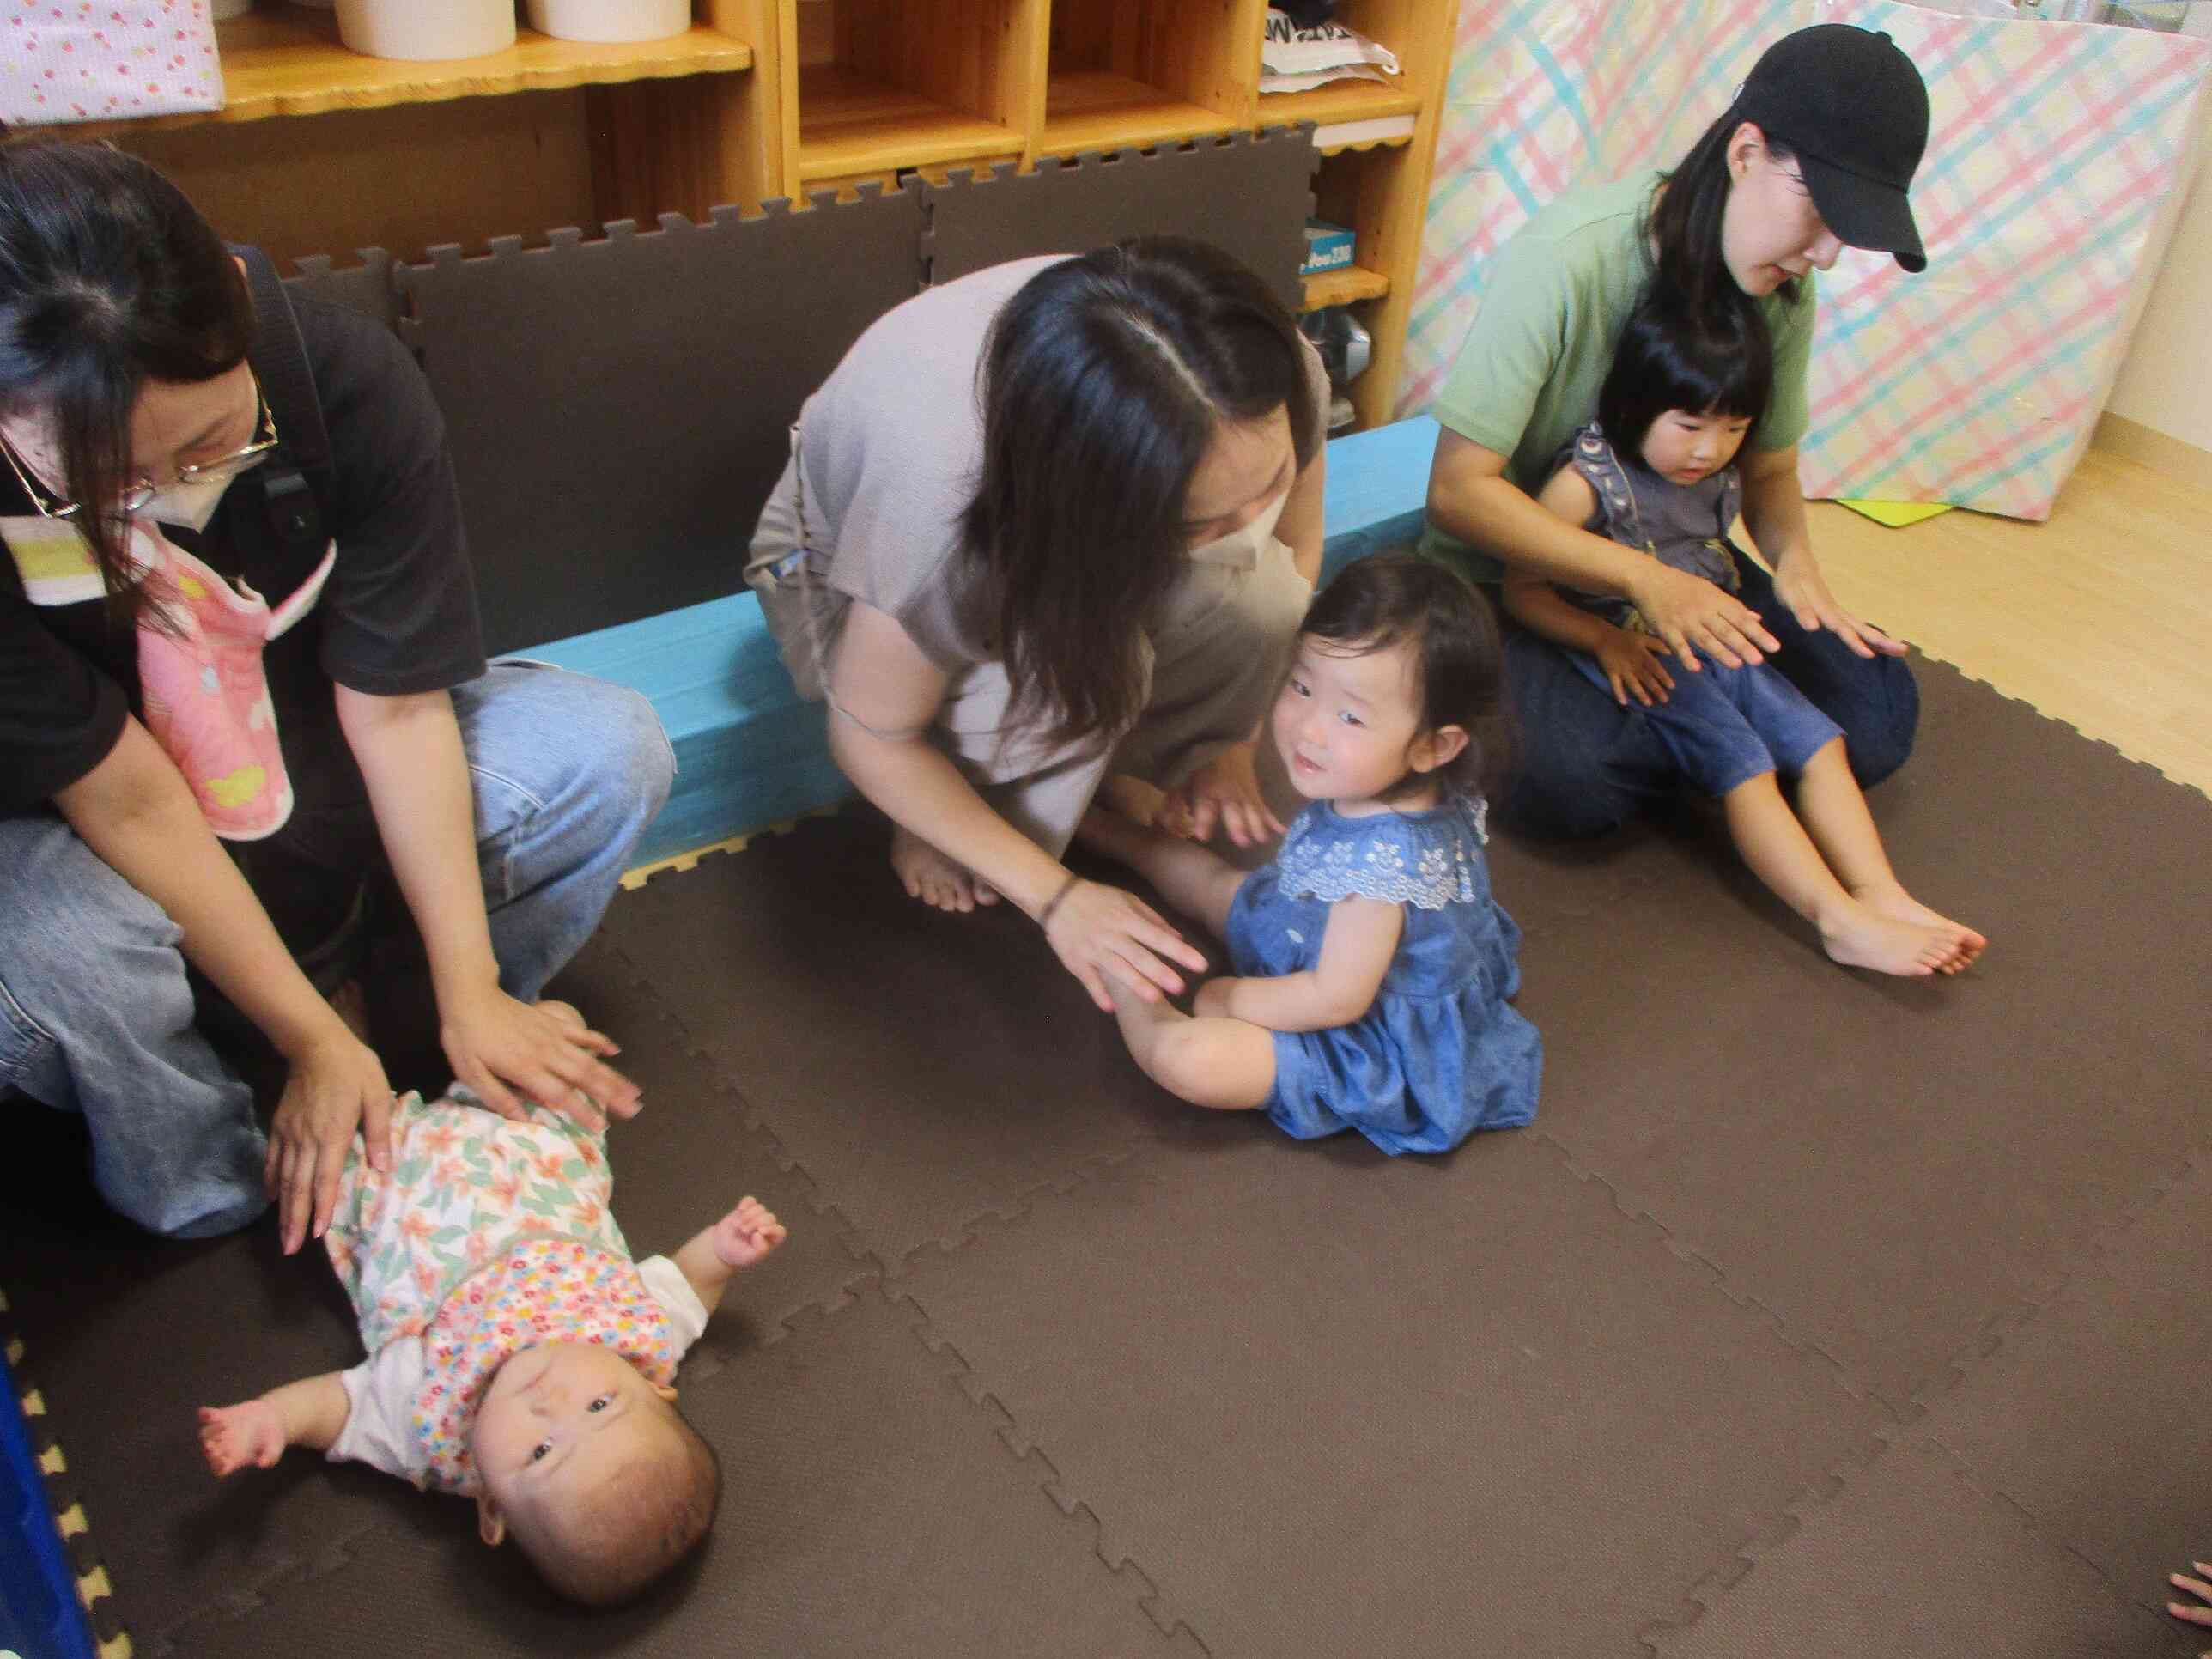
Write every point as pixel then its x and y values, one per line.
pixel 426 30
pixel 610 21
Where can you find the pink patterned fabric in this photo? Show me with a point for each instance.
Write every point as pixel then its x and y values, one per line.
pixel 542 1289
pixel 206 698
pixel 105 60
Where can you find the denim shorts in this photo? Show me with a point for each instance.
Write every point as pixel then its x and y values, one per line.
pixel 1724 726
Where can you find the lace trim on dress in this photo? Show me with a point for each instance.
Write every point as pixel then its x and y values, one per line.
pixel 1395 864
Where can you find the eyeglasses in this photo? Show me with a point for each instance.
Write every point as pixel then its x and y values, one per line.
pixel 136 496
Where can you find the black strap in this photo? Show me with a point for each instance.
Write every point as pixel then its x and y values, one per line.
pixel 287 480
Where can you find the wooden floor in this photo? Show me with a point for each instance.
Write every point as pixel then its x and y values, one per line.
pixel 2101 617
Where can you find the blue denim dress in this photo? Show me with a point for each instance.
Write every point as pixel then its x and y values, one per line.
pixel 1441 1053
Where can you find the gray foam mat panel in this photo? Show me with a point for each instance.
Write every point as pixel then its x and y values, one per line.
pixel 1250 194
pixel 1816 1313
pixel 643 384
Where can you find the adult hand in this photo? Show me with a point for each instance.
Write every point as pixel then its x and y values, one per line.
pixel 2193 1613
pixel 1693 615
pixel 1799 584
pixel 1635 665
pixel 1224 793
pixel 336 1086
pixel 1095 929
pixel 500 1047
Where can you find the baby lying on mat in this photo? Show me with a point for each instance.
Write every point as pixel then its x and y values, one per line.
pixel 516 1354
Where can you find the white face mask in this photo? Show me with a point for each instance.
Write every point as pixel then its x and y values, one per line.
pixel 191 505
pixel 1246 545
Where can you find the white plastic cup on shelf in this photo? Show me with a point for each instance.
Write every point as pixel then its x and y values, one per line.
pixel 610 21
pixel 426 31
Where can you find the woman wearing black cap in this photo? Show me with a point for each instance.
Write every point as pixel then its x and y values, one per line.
pixel 1816 154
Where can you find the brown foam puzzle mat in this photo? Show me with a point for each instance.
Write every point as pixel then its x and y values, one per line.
pixel 1817 1313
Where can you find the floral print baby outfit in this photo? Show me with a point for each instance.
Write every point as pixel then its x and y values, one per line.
pixel 487 1236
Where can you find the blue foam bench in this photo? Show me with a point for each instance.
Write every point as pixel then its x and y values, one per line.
pixel 749 754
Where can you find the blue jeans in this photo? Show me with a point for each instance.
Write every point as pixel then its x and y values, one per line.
pixel 97 1014
pixel 1587 765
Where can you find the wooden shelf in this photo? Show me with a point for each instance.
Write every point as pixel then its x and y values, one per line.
pixel 1342 286
pixel 288 61
pixel 1098 109
pixel 849 124
pixel 1339 102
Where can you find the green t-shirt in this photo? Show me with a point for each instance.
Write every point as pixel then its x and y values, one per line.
pixel 1558 295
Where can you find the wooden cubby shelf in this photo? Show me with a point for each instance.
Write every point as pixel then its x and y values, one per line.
pixel 850 124
pixel 768 99
pixel 1343 286
pixel 1098 109
pixel 287 60
pixel 1336 105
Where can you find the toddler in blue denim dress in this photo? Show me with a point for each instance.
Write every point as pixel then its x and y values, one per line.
pixel 1656 472
pixel 1373 969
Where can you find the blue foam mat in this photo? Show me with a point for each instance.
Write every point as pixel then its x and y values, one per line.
pixel 39 1615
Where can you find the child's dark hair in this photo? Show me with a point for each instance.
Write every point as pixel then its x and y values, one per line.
pixel 1718 364
pixel 1374 603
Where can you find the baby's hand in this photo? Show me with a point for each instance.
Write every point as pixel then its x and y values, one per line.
pixel 747 1233
pixel 235 1436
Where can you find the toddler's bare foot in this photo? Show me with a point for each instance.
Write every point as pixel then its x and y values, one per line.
pixel 1859 938
pixel 1890 900
pixel 938 881
pixel 747 1233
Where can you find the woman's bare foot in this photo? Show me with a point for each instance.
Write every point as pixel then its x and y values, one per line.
pixel 1858 937
pixel 938 881
pixel 1890 900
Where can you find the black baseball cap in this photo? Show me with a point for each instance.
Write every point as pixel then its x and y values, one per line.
pixel 1855 111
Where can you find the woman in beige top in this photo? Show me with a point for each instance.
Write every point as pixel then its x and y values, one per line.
pixel 1050 525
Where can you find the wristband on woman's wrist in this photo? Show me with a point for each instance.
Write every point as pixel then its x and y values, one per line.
pixel 1044 916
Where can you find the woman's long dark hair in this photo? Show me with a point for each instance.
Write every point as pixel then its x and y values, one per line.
pixel 1671 357
pixel 109 278
pixel 1377 603
pixel 1103 383
pixel 1686 223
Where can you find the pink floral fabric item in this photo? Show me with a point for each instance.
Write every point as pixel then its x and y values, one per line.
pixel 205 691
pixel 486 1237
pixel 106 60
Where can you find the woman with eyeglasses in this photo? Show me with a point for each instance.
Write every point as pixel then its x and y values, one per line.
pixel 1048 531
pixel 243 696
pixel 1815 156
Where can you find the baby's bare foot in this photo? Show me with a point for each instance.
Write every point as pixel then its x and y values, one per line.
pixel 1859 938
pixel 1892 900
pixel 926 874
pixel 747 1233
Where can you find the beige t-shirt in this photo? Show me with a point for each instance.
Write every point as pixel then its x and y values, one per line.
pixel 892 446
